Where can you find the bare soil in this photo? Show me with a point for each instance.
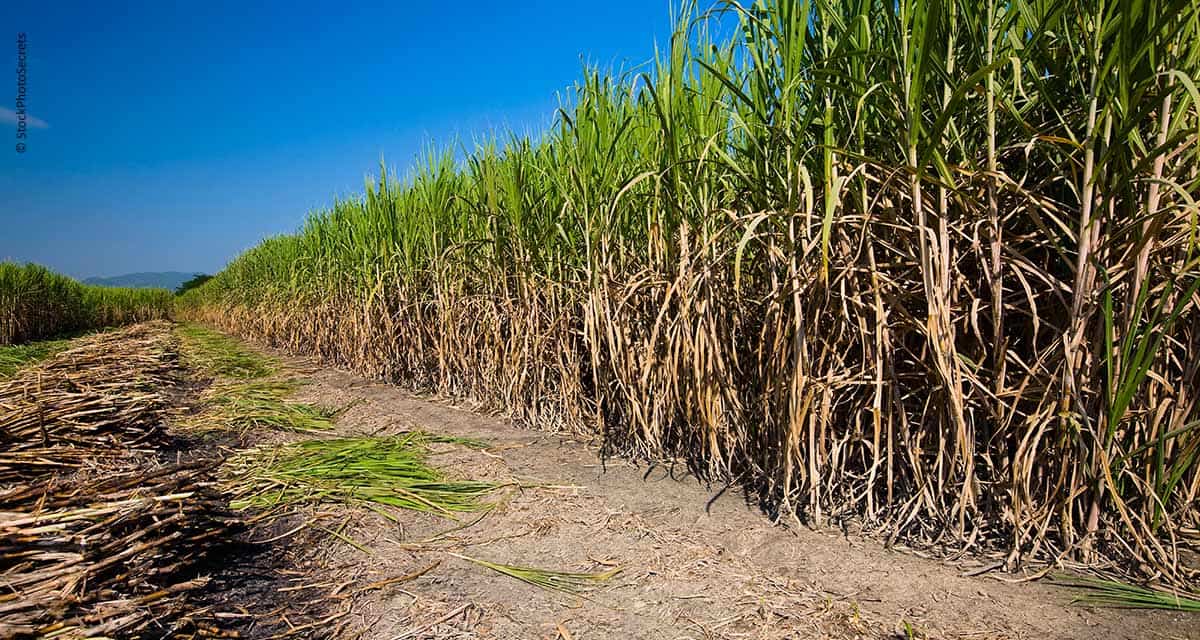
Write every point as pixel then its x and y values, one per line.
pixel 698 561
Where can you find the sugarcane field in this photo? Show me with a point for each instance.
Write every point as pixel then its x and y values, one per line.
pixel 681 320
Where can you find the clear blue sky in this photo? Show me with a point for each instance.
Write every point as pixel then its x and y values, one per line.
pixel 177 137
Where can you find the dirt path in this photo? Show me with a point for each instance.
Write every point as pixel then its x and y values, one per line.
pixel 695 564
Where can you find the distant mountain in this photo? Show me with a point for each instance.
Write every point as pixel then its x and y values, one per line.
pixel 164 279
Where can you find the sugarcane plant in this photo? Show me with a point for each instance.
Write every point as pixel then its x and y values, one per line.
pixel 929 266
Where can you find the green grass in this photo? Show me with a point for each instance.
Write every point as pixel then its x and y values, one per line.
pixel 219 355
pixel 15 357
pixel 566 582
pixel 387 471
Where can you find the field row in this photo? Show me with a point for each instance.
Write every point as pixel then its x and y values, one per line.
pixel 927 268
pixel 37 303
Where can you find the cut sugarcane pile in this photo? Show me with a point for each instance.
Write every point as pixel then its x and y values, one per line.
pixel 99 536
pixel 111 558
pixel 89 404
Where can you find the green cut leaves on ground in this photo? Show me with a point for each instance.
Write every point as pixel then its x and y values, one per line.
pixel 388 471
pixel 1097 592
pixel 564 581
pixel 248 392
pixel 441 438
pixel 219 355
pixel 256 404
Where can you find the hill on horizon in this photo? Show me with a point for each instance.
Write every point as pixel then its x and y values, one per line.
pixel 148 279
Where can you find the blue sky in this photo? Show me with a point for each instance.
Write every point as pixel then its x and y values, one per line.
pixel 176 137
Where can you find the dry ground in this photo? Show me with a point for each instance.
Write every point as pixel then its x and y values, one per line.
pixel 697 563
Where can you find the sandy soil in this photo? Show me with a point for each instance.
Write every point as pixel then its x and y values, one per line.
pixel 697 562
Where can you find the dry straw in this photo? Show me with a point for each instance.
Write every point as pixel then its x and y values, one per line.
pixel 91 403
pixel 97 538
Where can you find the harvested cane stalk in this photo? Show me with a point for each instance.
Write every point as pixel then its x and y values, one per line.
pixel 93 402
pixel 119 553
pixel 116 557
